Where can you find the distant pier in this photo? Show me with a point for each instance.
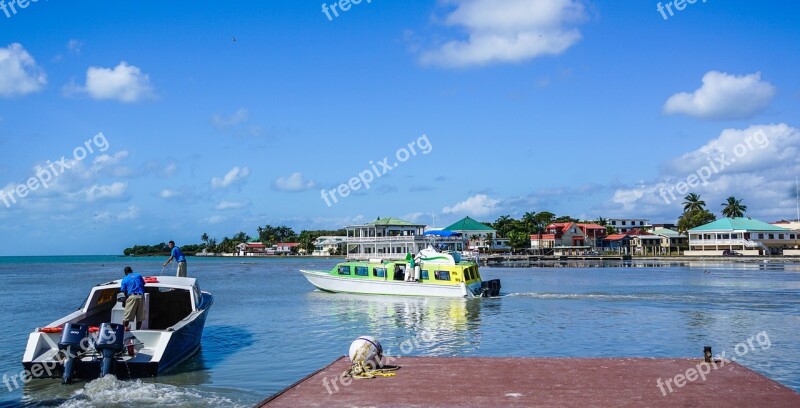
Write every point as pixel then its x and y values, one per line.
pixel 546 382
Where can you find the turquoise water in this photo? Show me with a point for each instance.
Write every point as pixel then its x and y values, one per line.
pixel 268 327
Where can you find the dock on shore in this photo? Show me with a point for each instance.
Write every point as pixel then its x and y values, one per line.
pixel 544 382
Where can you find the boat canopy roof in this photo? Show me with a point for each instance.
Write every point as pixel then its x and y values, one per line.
pixel 442 233
pixel 166 281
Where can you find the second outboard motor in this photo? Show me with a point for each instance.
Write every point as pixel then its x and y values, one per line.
pixel 71 339
pixel 109 342
pixel 490 288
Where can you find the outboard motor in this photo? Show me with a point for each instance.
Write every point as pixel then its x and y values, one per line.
pixel 109 342
pixel 71 339
pixel 490 288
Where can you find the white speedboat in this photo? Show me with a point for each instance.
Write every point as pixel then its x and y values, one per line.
pixel 91 342
pixel 433 274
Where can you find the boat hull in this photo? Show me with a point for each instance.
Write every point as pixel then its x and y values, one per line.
pixel 166 349
pixel 329 283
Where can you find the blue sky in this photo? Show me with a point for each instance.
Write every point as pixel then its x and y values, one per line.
pixel 582 108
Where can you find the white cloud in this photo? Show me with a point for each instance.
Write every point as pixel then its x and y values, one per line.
pixel 222 123
pixel 757 164
pixel 230 205
pixel 234 176
pixel 723 96
pixel 508 31
pixel 131 213
pixel 479 204
pixel 74 46
pixel 167 194
pixel 124 83
pixel 294 182
pixel 19 74
pixel 214 219
pixel 105 192
pixel 112 164
pixel 169 170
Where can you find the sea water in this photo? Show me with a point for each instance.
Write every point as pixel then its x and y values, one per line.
pixel 268 327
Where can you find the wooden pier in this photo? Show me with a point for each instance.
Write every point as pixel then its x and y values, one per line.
pixel 540 382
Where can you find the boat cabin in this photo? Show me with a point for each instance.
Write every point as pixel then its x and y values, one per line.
pixel 167 301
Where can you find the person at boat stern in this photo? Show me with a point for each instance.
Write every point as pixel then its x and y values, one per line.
pixel 177 255
pixel 133 288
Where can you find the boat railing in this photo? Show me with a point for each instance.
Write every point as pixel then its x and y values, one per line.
pixel 368 256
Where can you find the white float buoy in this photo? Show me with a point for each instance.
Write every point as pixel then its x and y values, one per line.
pixel 366 350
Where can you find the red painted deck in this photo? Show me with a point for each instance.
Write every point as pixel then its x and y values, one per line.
pixel 540 382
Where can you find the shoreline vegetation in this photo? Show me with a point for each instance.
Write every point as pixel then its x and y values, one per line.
pixel 268 235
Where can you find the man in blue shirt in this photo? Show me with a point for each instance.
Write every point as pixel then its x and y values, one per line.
pixel 133 288
pixel 178 256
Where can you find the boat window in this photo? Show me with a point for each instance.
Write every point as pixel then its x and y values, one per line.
pixel 442 275
pixel 344 270
pixel 362 271
pixel 467 274
pixel 424 274
pixel 379 272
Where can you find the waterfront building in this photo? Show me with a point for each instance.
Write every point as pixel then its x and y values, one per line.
pixel 633 242
pixel 254 248
pixel 672 242
pixel 479 236
pixel 623 225
pixel 568 238
pixel 742 235
pixel 794 226
pixel 391 238
pixel 328 245
pixel 251 249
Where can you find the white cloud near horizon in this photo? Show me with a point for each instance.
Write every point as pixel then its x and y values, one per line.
pixel 478 205
pixel 723 96
pixel 19 73
pixel 222 123
pixel 293 183
pixel 124 83
pixel 507 32
pixel 111 191
pixel 235 176
pixel 230 205
pixel 761 162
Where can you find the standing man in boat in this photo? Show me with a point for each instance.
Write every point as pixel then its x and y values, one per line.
pixel 177 255
pixel 133 288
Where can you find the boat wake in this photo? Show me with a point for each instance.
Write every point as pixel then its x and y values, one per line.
pixel 588 296
pixel 111 392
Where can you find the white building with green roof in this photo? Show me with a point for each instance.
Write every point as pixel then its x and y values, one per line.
pixel 479 235
pixel 743 235
pixel 389 238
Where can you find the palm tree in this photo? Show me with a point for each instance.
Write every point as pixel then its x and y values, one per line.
pixel 733 208
pixel 204 238
pixel 529 221
pixel 693 202
pixel 503 224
